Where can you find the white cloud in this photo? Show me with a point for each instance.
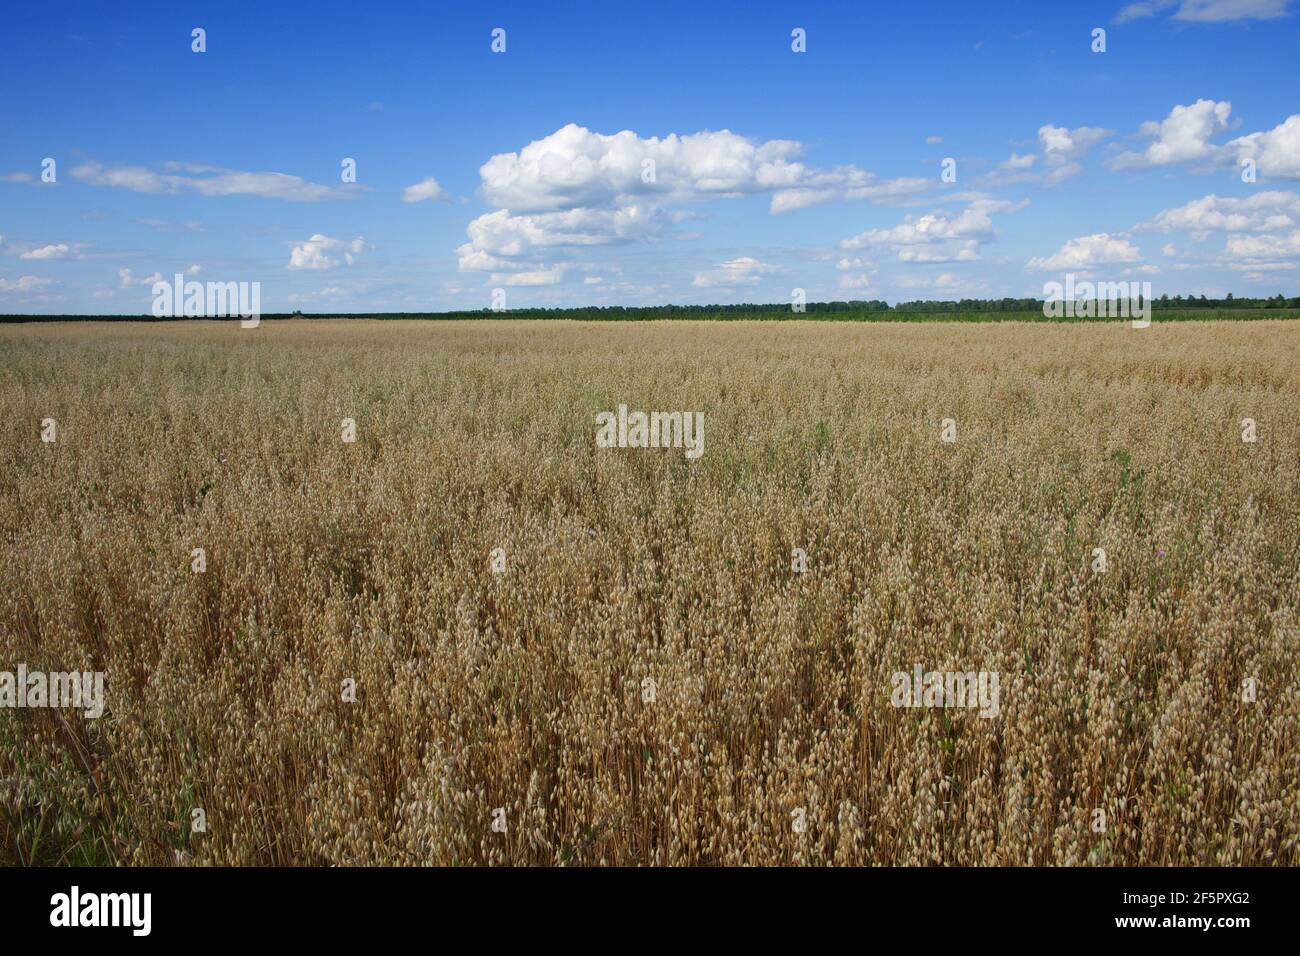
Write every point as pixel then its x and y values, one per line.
pixel 126 279
pixel 1263 252
pixel 855 281
pixel 1087 251
pixel 1276 152
pixel 207 181
pixel 1141 10
pixel 743 271
pixel 1206 11
pixel 1262 231
pixel 966 250
pixel 576 188
pixel 1061 144
pixel 322 252
pixel 937 237
pixel 576 168
pixel 329 292
pixel 1062 148
pixel 424 190
pixel 532 277
pixel 933 140
pixel 846 183
pixel 1181 137
pixel 60 250
pixel 1266 244
pixel 25 284
pixel 502 234
pixel 1185 135
pixel 1213 11
pixel 1268 211
pixel 972 222
pixel 946 285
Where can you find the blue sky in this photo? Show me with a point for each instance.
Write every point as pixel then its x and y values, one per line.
pixel 620 154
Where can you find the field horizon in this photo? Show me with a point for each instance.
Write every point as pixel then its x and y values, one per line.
pixel 1227 311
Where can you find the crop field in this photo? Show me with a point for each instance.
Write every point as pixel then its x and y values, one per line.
pixel 374 592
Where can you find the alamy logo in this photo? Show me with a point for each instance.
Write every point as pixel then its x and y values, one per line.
pixel 947 689
pixel 651 430
pixel 103 909
pixel 208 300
pixel 1086 300
pixel 57 689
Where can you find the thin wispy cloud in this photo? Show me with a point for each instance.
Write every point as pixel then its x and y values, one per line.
pixel 1205 11
pixel 177 177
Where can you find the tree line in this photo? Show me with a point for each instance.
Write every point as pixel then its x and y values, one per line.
pixel 854 308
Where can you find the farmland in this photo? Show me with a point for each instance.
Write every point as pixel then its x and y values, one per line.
pixel 471 636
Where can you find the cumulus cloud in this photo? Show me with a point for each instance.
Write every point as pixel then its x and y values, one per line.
pixel 732 274
pixel 574 167
pixel 58 250
pixel 1087 251
pixel 500 234
pixel 322 252
pixel 577 188
pixel 937 237
pixel 422 191
pixel 126 278
pixel 1262 231
pixel 1268 211
pixel 207 181
pixel 1181 137
pixel 1263 252
pixel 1276 152
pixel 1062 149
pixel 1185 135
pixel 24 284
pixel 1205 11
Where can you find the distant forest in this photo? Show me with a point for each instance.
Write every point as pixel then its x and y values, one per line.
pixel 961 310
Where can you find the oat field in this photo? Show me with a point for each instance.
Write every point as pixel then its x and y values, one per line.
pixel 1149 713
